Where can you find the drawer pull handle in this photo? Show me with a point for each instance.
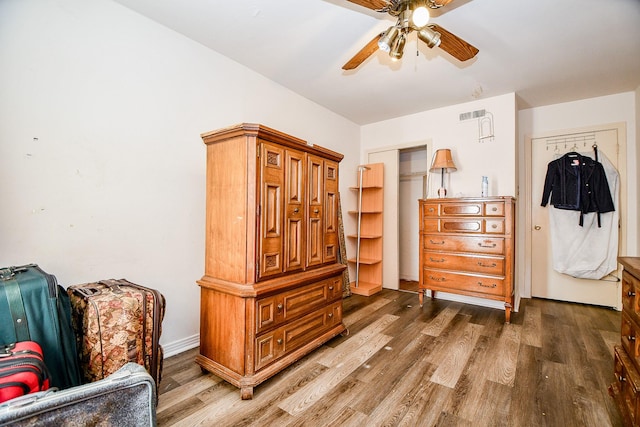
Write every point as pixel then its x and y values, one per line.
pixel 494 225
pixel 494 209
pixel 437 279
pixel 330 315
pixel 279 341
pixel 436 260
pixel 621 379
pixel 493 245
pixel 493 264
pixel 316 210
pixel 487 286
pixel 330 288
pixel 631 338
pixel 436 243
pixel 280 307
pixel 631 294
pixel 431 209
pixel 296 210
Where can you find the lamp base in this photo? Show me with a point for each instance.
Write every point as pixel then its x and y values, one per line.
pixel 442 192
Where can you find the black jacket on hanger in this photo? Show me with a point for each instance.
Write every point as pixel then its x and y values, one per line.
pixel 578 183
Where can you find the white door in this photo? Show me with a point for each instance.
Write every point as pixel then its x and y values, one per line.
pixel 545 281
pixel 391 160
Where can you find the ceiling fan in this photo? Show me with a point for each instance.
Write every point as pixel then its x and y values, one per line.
pixel 413 15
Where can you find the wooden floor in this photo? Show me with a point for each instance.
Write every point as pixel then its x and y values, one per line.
pixel 446 364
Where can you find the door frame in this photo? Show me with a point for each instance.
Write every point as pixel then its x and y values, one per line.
pixel 621 128
pixel 391 233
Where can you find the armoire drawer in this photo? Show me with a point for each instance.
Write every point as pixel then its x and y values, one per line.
pixel 474 284
pixel 283 307
pixel 275 344
pixel 464 262
pixel 464 225
pixel 472 244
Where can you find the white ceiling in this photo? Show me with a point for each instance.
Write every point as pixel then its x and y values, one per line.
pixel 547 51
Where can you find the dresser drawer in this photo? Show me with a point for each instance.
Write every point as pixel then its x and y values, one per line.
pixel 630 295
pixel 441 281
pixel 275 344
pixel 464 262
pixel 474 244
pixel 463 209
pixel 281 308
pixel 464 225
pixel 630 337
pixel 627 381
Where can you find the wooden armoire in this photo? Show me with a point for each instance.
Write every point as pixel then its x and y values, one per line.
pixel 272 285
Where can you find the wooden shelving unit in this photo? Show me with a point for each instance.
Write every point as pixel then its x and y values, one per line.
pixel 368 237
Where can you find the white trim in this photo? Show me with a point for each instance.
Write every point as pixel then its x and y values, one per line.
pixel 182 345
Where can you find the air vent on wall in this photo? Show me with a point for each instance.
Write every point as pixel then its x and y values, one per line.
pixel 472 115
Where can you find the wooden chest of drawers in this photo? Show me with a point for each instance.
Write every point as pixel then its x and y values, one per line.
pixel 626 386
pixel 272 288
pixel 467 248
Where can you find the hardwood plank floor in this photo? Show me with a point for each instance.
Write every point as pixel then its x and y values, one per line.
pixel 445 364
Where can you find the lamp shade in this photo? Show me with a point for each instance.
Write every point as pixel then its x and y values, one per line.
pixel 442 160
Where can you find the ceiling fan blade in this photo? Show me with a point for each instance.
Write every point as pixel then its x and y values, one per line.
pixel 372 4
pixel 454 45
pixel 364 53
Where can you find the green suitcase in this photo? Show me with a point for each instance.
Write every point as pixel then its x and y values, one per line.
pixel 33 307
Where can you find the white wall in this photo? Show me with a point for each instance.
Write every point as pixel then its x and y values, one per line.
pixel 587 113
pixel 102 168
pixel 444 128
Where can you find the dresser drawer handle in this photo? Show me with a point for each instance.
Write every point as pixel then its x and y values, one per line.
pixel 631 338
pixel 280 307
pixel 436 243
pixel 487 286
pixel 631 294
pixel 431 209
pixel 493 245
pixel 436 260
pixel 494 225
pixel 316 210
pixel 330 288
pixel 621 379
pixel 296 210
pixel 493 264
pixel 279 341
pixel 494 209
pixel 437 279
pixel 330 315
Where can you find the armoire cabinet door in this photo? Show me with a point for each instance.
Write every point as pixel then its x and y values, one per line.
pixel 330 238
pixel 315 232
pixel 295 211
pixel 270 239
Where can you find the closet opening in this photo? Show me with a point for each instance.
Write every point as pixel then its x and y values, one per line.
pixel 412 186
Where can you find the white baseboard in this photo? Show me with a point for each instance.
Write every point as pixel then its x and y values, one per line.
pixel 184 344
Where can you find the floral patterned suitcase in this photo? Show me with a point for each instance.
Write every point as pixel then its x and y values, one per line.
pixel 117 322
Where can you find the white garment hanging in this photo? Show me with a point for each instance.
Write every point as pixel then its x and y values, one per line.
pixel 587 252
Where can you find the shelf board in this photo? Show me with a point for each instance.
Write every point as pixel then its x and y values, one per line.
pixel 365 288
pixel 370 187
pixel 365 236
pixel 365 212
pixel 367 261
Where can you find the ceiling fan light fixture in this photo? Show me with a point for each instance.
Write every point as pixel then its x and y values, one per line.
pixel 398 48
pixel 430 37
pixel 388 39
pixel 420 16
